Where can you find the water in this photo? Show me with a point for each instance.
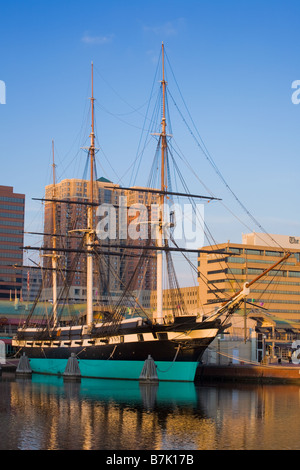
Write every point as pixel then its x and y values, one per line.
pixel 46 413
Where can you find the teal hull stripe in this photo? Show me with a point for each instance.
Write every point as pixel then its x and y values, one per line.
pixel 126 370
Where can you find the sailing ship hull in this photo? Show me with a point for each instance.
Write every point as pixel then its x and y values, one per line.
pixel 176 352
pixel 122 370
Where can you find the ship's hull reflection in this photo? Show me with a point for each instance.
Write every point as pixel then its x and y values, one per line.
pixel 47 412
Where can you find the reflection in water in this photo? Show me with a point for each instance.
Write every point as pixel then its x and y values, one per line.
pixel 48 413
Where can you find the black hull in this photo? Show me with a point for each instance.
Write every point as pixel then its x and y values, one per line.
pixel 139 351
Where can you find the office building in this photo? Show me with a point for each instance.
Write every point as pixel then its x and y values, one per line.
pixel 143 236
pixel 189 296
pixel 12 207
pixel 220 276
pixel 114 269
pixel 70 222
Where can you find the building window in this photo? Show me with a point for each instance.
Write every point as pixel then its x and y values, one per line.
pixel 11 199
pixel 254 271
pixel 11 223
pixel 236 271
pixel 274 253
pixel 236 250
pixel 294 274
pixel 11 216
pixel 9 247
pixel 254 252
pixel 233 259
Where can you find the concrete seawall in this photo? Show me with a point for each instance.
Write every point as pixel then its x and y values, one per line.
pixel 289 373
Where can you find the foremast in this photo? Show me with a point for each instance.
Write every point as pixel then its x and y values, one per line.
pixel 54 256
pixel 90 224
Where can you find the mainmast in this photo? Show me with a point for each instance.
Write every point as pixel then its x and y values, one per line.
pixel 159 280
pixel 54 254
pixel 90 231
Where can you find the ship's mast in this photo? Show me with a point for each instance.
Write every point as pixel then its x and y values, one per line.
pixel 90 232
pixel 54 254
pixel 159 312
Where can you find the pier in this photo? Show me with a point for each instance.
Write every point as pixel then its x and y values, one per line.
pixel 287 373
pixel 9 366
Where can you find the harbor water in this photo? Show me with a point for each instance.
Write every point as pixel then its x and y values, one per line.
pixel 50 413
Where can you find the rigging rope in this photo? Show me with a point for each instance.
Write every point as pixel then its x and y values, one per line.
pixel 213 164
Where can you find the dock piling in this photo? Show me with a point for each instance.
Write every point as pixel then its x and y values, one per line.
pixel 72 370
pixel 23 367
pixel 149 373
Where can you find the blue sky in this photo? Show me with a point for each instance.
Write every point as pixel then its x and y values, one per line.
pixel 234 62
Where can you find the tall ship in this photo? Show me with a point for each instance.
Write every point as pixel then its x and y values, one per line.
pixel 116 342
